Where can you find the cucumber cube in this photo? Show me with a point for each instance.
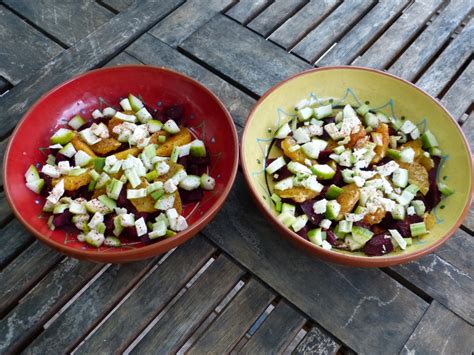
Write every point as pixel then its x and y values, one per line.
pixel 429 140
pixel 305 114
pixel 315 236
pixel 345 226
pixel 36 185
pixel 283 131
pixel 332 209
pixel 363 110
pixel 207 182
pixel 400 177
pixel 135 103
pixel 371 120
pixel 352 243
pixel 62 136
pixel 435 151
pixel 112 242
pixel 157 194
pixel 361 235
pixel 397 239
pixel 288 208
pixel 393 154
pixel 171 127
pixel 419 207
pixel 81 158
pixel 31 174
pixel 299 223
pixel 286 218
pixel 68 150
pixel 298 168
pixel 94 238
pixel 134 194
pixel 76 122
pixel 333 192
pixel 445 189
pixel 284 184
pixel 417 229
pixel 125 103
pixel 275 165
pixel 311 150
pixel 323 171
pixel 277 200
pixel 398 212
pixel 154 126
pixel 323 111
pixel 407 155
pixel 108 202
pixel 190 182
pixel 143 115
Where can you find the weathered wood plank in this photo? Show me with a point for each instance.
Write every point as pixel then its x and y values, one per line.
pixel 460 95
pixel 245 10
pixel 468 128
pixel 231 325
pixel 88 53
pixel 25 270
pixel 318 41
pixel 443 281
pixel 3 147
pixel 458 251
pixel 387 46
pixel 274 15
pixel 182 318
pixel 68 21
pixel 409 64
pixel 176 27
pixel 13 238
pixel 440 332
pixel 5 210
pixel 448 63
pixel 43 301
pixel 4 85
pixel 358 38
pixel 349 293
pixel 150 50
pixel 317 341
pixel 148 299
pixel 296 27
pixel 21 43
pixel 118 5
pixel 214 43
pixel 276 332
pixel 89 308
pixel 122 59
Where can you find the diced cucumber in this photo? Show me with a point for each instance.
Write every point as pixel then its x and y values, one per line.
pixel 154 126
pixel 345 226
pixel 135 103
pixel 382 118
pixel 396 123
pixel 407 155
pixel 371 120
pixel 114 188
pixel 348 111
pixel 77 207
pixel 393 154
pixel 207 182
pixel 125 104
pixel 400 177
pixel 171 127
pixel 104 178
pixel 305 113
pixel 62 136
pixel 82 159
pixel 108 202
pixel 398 239
pixel 161 139
pixel 109 112
pixel 352 243
pixel 157 194
pixel 339 149
pixel 133 177
pixel 32 174
pixel 361 235
pixel 315 236
pixel 76 122
pixel 68 150
pixel 95 205
pixel 298 168
pixel 435 151
pixel 60 208
pixel 112 242
pixel 288 208
pixel 398 212
pixel 276 165
pixel 299 223
pixel 96 114
pixel 301 135
pixel 159 230
pixel 94 238
pixel 332 209
pixel 347 176
pixel 190 182
pixel 333 192
pixel 363 110
pixel 99 164
pixel 286 218
pixel 134 194
pixel 165 202
pixel 429 140
pixel 407 127
pixel 311 183
pixel 419 207
pixel 152 175
pixel 284 184
pixel 311 150
pixel 393 142
pixel 445 189
pixel 323 171
pixel 323 111
pixel 377 138
pixel 277 200
pixel 417 229
pixel 175 154
pixel 283 131
pixel 143 115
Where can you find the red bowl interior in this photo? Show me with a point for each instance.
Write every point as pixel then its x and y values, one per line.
pixel 204 115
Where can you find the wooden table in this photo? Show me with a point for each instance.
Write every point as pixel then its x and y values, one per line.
pixel 238 286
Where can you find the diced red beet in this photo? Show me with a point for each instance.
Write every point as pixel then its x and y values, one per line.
pixel 87 124
pixel 124 202
pixel 378 245
pixel 323 157
pixel 307 208
pixel 433 197
pixel 362 224
pixel 336 179
pixel 303 232
pixel 392 131
pixel 145 239
pixel 283 173
pixel 109 223
pixel 63 221
pixel 61 157
pixel 191 196
pixel 278 143
pixel 331 238
pixel 184 162
pixel 129 233
pixel 199 161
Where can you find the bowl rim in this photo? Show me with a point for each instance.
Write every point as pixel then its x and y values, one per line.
pixel 145 251
pixel 329 255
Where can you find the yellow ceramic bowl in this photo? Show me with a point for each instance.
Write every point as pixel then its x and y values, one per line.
pixel 388 94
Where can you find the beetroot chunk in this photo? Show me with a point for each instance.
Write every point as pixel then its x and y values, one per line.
pixel 378 245
pixel 331 238
pixel 191 196
pixel 433 197
pixel 307 208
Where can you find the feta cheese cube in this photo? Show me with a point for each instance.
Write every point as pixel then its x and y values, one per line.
pixel 169 186
pixel 325 224
pixel 359 181
pixel 110 160
pixel 304 113
pixel 51 171
pixel 140 226
pixel 410 211
pixel 109 112
pixel 407 127
pixel 301 135
pixel 56 192
pixel 173 217
pixel 319 207
pixel 311 183
pixel 100 130
pixel 97 114
pixel 96 219
pixel 315 130
pixel 387 169
pixel 127 219
pixel 165 203
pixel 162 168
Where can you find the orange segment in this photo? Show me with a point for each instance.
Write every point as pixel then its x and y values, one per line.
pixel 298 194
pixel 348 198
pixel 296 155
pixel 381 150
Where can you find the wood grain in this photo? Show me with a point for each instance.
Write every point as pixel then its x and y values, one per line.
pixel 25 270
pixel 177 26
pixel 296 27
pixel 20 43
pixel 68 21
pixel 14 238
pixel 274 15
pixel 458 251
pixel 5 210
pixel 43 301
pixel 118 5
pixel 443 281
pixel 359 37
pixel 317 341
pixel 123 58
pixel 183 317
pixel 402 31
pixel 232 324
pixel 276 332
pixel 449 62
pixel 88 53
pixel 409 64
pixel 91 306
pixel 152 51
pixel 318 41
pixel 214 43
pixel 440 332
pixel 349 293
pixel 245 10
pixel 3 147
pixel 148 299
pixel 460 95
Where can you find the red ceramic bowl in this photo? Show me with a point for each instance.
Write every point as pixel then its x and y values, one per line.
pixel 204 114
